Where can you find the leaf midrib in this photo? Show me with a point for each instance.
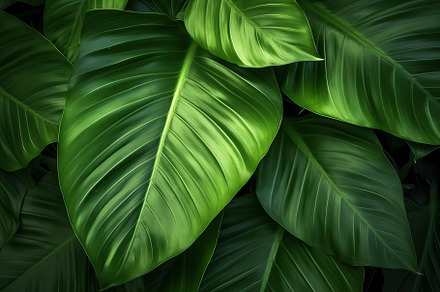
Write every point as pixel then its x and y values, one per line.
pixel 302 145
pixel 345 27
pixel 9 96
pixel 273 252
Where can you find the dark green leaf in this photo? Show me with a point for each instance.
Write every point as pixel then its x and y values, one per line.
pixel 169 7
pixel 330 184
pixel 256 33
pixel 156 138
pixel 381 66
pixel 421 150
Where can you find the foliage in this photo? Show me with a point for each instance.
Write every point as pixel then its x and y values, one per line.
pixel 219 145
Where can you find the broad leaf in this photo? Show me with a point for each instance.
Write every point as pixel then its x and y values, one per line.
pixel 421 150
pixel 12 190
pixel 425 228
pixel 381 66
pixel 257 33
pixel 63 21
pixel 156 138
pixel 184 272
pixel 44 255
pixel 330 184
pixel 33 87
pixel 254 253
pixel 169 7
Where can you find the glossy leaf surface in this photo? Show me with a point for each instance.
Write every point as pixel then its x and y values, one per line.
pixel 44 255
pixel 156 138
pixel 12 190
pixel 425 228
pixel 33 88
pixel 63 21
pixel 381 66
pixel 257 33
pixel 330 184
pixel 254 253
pixel 184 272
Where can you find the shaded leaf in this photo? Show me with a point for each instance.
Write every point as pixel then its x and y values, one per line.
pixel 381 66
pixel 257 33
pixel 421 150
pixel 330 184
pixel 33 87
pixel 169 7
pixel 156 138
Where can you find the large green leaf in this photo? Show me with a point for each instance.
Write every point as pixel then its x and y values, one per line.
pixel 256 33
pixel 254 253
pixel 44 255
pixel 184 272
pixel 12 190
pixel 169 7
pixel 157 136
pixel 33 88
pixel 425 228
pixel 330 184
pixel 63 21
pixel 381 66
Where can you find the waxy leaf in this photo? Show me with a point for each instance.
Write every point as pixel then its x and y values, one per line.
pixel 256 33
pixel 63 20
pixel 330 184
pixel 33 89
pixel 254 253
pixel 381 66
pixel 44 255
pixel 425 228
pixel 157 137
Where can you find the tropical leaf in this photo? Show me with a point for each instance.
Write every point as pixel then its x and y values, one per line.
pixel 330 184
pixel 256 33
pixel 44 255
pixel 425 228
pixel 381 66
pixel 33 88
pixel 421 150
pixel 63 21
pixel 254 253
pixel 12 191
pixel 184 272
pixel 156 138
pixel 169 7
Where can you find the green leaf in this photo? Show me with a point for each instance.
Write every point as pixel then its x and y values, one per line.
pixel 254 253
pixel 425 228
pixel 5 3
pixel 256 33
pixel 381 66
pixel 156 138
pixel 44 255
pixel 330 184
pixel 169 7
pixel 32 2
pixel 184 272
pixel 12 190
pixel 33 88
pixel 63 21
pixel 421 150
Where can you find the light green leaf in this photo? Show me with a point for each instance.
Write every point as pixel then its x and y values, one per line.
pixel 169 7
pixel 425 228
pixel 184 272
pixel 254 253
pixel 381 66
pixel 44 255
pixel 256 33
pixel 33 88
pixel 156 138
pixel 12 191
pixel 421 150
pixel 63 21
pixel 330 184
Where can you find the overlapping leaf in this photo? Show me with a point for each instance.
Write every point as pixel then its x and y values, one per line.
pixel 256 33
pixel 381 66
pixel 169 7
pixel 63 21
pixel 157 137
pixel 254 253
pixel 33 88
pixel 330 184
pixel 44 255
